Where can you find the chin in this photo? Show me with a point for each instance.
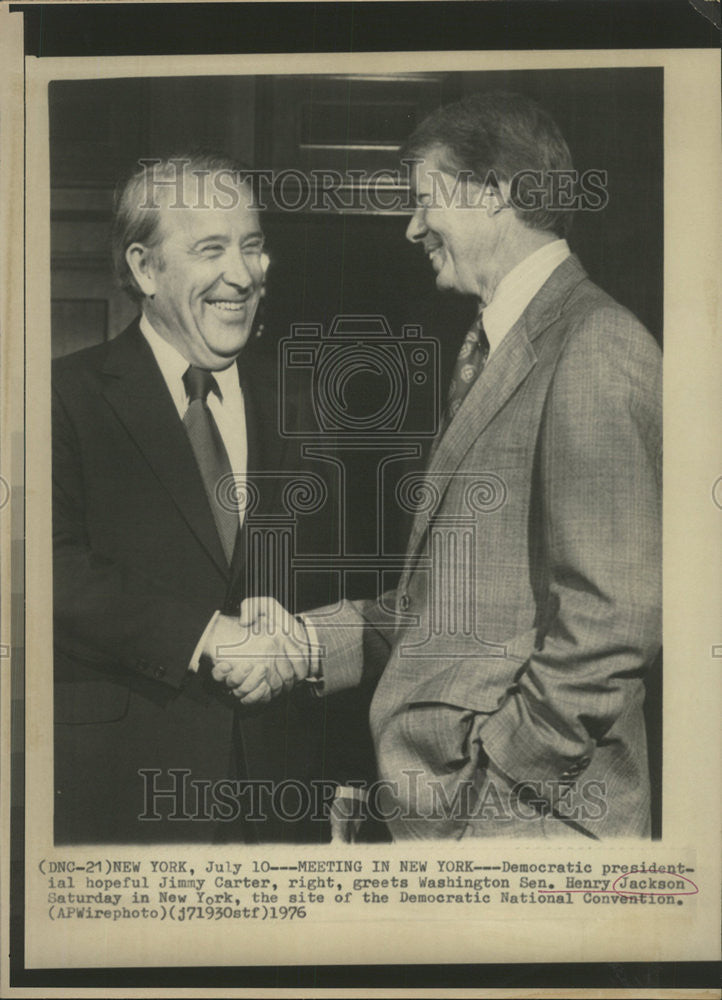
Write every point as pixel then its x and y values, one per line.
pixel 444 284
pixel 231 353
pixel 229 342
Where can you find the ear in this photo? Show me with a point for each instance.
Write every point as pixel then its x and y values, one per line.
pixel 143 267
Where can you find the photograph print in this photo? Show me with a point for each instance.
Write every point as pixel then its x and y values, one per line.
pixel 356 456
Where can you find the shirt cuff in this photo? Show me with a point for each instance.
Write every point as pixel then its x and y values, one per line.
pixel 315 673
pixel 198 651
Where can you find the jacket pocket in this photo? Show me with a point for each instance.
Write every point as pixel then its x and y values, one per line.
pixel 479 683
pixel 438 736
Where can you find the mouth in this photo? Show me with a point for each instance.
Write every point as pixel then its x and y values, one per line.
pixel 227 306
pixel 434 250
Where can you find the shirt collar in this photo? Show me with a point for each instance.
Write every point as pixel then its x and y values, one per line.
pixel 171 362
pixel 227 380
pixel 517 288
pixel 173 365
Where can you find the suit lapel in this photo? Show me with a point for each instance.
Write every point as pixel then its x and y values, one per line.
pixel 138 394
pixel 506 369
pixel 504 372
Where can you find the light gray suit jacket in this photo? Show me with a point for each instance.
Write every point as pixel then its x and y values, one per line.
pixel 513 650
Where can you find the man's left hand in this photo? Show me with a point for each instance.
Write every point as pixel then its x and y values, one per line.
pixel 274 655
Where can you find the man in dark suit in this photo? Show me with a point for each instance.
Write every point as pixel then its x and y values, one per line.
pixel 160 437
pixel 512 653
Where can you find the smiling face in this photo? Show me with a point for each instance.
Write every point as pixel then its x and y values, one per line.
pixel 456 222
pixel 202 283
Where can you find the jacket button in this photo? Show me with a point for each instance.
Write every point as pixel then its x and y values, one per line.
pixel 404 602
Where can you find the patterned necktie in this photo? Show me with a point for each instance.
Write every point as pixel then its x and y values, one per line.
pixel 469 365
pixel 210 454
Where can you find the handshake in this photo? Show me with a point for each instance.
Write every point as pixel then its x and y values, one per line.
pixel 265 651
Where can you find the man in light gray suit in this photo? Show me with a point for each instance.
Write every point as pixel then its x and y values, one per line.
pixel 512 653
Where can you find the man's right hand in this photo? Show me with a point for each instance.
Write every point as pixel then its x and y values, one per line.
pixel 259 654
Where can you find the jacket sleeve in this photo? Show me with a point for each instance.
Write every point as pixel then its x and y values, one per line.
pixel 107 614
pixel 355 640
pixel 600 491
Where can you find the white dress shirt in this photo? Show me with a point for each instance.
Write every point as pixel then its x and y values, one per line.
pixel 517 288
pixel 228 412
pixel 228 409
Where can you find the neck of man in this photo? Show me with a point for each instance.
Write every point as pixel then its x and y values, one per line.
pixel 209 361
pixel 159 327
pixel 519 243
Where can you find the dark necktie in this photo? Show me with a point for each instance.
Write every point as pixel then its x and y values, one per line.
pixel 210 454
pixel 469 365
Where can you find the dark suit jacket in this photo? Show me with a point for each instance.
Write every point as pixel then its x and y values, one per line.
pixel 530 603
pixel 138 571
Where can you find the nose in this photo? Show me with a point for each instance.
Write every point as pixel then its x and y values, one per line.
pixel 237 270
pixel 416 228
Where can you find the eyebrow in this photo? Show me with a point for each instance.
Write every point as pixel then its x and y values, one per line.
pixel 223 238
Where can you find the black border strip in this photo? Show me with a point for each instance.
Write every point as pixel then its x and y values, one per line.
pixel 70 29
pixel 590 975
